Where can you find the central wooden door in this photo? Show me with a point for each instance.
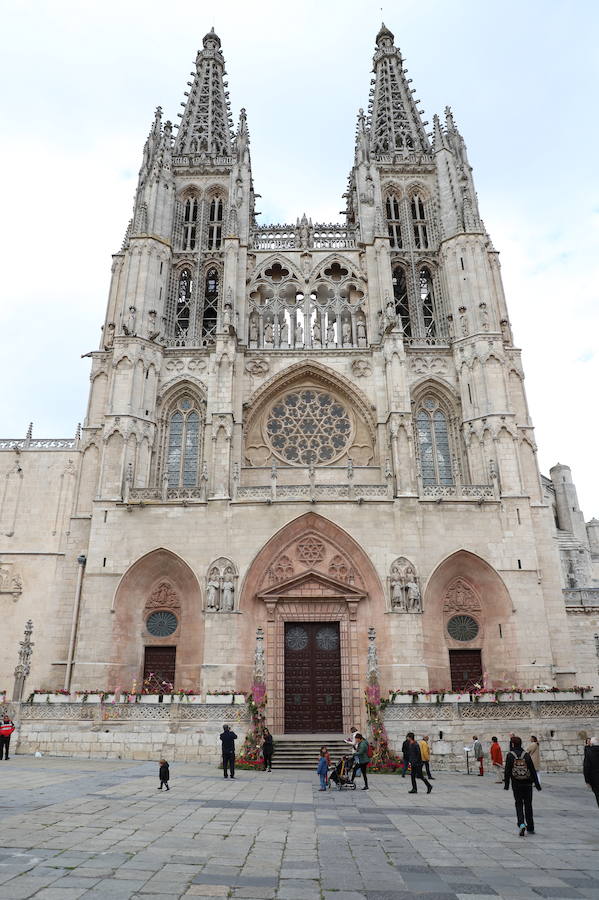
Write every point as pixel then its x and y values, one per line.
pixel 159 668
pixel 466 669
pixel 312 678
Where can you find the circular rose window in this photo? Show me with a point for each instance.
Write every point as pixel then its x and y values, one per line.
pixel 308 427
pixel 161 624
pixel 462 628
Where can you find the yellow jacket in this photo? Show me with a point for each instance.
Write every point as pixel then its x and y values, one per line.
pixel 425 751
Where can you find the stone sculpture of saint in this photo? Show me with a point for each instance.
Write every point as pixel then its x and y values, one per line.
pixel 316 334
pixel 414 600
pixel 284 333
pixel 299 334
pixel 109 337
pixel 346 332
pixel 253 331
pixel 397 595
pixel 213 591
pixel 361 330
pixel 331 334
pixel 228 595
pixel 268 333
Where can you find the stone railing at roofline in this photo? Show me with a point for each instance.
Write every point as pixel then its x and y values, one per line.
pixel 313 492
pixel 479 492
pixel 291 237
pixel 581 597
pixel 38 443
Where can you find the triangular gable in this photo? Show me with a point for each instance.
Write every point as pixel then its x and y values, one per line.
pixel 311 584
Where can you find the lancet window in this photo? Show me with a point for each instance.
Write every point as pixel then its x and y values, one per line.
pixel 419 222
pixel 215 223
pixel 427 301
pixel 329 314
pixel 400 294
pixel 210 311
pixel 394 222
pixel 183 303
pixel 432 431
pixel 190 223
pixel 183 443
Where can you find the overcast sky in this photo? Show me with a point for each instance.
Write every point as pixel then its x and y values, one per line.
pixel 79 82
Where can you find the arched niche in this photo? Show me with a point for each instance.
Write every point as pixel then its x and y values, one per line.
pixel 464 584
pixel 160 580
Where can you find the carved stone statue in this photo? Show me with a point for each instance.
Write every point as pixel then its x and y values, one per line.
pixel 213 591
pixel 346 332
pixel 227 315
pixel 404 588
pixel 284 335
pixel 259 661
pixel 414 600
pixel 153 330
pixel 373 663
pixel 316 333
pixel 361 330
pixel 398 600
pixel 129 325
pixel 331 334
pixel 299 335
pixel 253 332
pixel 268 333
pixel 109 336
pixel 228 604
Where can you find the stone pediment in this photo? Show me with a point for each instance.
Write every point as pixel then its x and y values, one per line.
pixel 311 584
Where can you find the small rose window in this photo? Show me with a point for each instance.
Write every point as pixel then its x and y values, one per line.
pixel 462 628
pixel 162 623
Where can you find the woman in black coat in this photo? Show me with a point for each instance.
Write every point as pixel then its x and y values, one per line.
pixel 591 766
pixel 267 749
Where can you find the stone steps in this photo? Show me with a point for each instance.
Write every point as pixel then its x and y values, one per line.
pixel 303 752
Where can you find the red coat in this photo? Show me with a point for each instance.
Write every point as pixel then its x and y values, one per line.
pixel 6 729
pixel 496 754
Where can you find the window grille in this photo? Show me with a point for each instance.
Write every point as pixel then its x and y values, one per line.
pixel 190 221
pixel 419 223
pixel 400 294
pixel 210 310
pixel 183 444
pixel 215 224
pixel 394 222
pixel 427 303
pixel 183 305
pixel 433 443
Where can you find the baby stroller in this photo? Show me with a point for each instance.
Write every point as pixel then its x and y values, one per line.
pixel 341 774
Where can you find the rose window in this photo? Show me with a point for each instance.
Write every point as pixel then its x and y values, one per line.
pixel 462 628
pixel 308 427
pixel 161 624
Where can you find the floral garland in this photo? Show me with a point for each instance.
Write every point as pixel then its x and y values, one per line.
pixel 383 759
pixel 480 692
pixel 251 753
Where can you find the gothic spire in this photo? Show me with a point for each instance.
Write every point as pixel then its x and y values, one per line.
pixel 396 126
pixel 206 122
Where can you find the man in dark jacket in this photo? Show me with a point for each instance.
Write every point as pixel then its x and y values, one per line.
pixel 404 752
pixel 591 766
pixel 520 770
pixel 415 760
pixel 6 729
pixel 227 739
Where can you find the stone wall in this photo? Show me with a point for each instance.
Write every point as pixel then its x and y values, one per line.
pixel 176 731
pixel 561 727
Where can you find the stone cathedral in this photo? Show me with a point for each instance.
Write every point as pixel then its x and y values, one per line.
pixel 311 429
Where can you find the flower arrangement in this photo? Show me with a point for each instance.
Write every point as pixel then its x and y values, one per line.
pixel 383 758
pixel 251 753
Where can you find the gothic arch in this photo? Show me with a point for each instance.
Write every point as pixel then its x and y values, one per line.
pixel 267 263
pixel 352 270
pixel 137 593
pixel 167 404
pixel 465 583
pixel 313 570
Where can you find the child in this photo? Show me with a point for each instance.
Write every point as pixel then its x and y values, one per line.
pixel 163 774
pixel 322 769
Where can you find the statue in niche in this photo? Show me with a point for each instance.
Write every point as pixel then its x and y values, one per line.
pixel 153 331
pixel 505 331
pixel 398 600
pixel 109 336
pixel 484 316
pixel 253 332
pixel 404 587
pixel 227 315
pixel 316 333
pixel 238 191
pixel 331 333
pixel 268 333
pixel 346 333
pixel 228 604
pixel 361 330
pixel 129 325
pixel 284 335
pixel 390 317
pixel 299 334
pixel 414 600
pixel 213 591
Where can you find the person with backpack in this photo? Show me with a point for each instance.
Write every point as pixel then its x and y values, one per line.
pixel 521 772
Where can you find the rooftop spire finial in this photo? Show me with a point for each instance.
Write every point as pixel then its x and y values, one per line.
pixel 205 124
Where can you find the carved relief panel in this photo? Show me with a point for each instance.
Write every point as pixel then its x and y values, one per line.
pixel 404 587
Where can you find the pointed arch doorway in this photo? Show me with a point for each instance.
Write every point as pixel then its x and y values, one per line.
pixel 310 587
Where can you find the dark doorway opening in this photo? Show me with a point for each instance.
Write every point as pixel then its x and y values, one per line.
pixel 466 669
pixel 313 678
pixel 159 669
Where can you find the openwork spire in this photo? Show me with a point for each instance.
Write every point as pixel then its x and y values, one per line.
pixel 396 126
pixel 206 122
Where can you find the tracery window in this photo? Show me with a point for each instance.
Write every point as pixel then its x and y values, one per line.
pixel 400 294
pixel 394 222
pixel 183 303
pixel 215 224
pixel 308 427
pixel 183 444
pixel 190 221
pixel 427 301
pixel 210 311
pixel 433 442
pixel 419 223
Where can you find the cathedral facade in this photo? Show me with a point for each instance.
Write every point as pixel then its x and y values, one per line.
pixel 310 429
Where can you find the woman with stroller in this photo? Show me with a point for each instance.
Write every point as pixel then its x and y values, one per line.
pixel 362 759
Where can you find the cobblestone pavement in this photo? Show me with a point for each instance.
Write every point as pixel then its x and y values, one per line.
pixel 100 829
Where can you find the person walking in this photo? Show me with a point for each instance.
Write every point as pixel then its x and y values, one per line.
pixel 425 753
pixel 6 729
pixel 362 759
pixel 322 769
pixel 267 749
pixel 415 760
pixel 478 753
pixel 164 774
pixel 227 739
pixel 405 749
pixel 496 759
pixel 534 751
pixel 590 766
pixel 520 771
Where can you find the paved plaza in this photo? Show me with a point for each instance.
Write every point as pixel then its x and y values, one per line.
pixel 101 830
